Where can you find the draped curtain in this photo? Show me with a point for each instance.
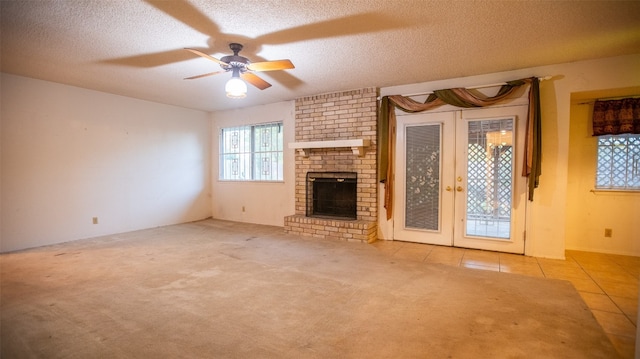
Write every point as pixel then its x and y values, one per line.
pixel 614 117
pixel 459 97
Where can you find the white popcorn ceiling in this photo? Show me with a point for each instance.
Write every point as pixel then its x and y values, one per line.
pixel 135 48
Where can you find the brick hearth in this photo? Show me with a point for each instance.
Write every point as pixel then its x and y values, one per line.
pixel 329 117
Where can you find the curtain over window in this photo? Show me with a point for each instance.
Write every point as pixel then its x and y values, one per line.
pixel 459 97
pixel 614 117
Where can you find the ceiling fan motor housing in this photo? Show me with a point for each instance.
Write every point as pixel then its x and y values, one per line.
pixel 235 60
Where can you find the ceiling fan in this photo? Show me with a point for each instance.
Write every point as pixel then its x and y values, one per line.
pixel 241 68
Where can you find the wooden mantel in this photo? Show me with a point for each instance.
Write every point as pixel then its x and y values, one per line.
pixel 356 145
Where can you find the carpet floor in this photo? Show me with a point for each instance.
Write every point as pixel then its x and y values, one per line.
pixel 217 289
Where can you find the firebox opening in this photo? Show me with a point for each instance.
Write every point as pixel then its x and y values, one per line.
pixel 332 194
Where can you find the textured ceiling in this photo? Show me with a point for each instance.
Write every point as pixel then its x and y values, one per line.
pixel 135 48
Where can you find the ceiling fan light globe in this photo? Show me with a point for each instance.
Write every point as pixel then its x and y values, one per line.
pixel 236 88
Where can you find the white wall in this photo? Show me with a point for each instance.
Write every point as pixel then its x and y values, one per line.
pixel 263 202
pixel 546 227
pixel 70 154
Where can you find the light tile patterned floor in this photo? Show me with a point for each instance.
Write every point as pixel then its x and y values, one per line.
pixel 608 283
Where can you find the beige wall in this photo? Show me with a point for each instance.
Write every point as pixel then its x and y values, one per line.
pixel 70 154
pixel 589 212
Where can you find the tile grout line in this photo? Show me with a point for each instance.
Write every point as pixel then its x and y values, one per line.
pixel 541 270
pixel 605 293
pixel 461 257
pixel 427 255
pixel 573 259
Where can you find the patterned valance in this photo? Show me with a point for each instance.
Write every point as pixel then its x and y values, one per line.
pixel 614 117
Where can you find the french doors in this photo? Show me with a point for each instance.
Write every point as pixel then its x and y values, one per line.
pixel 458 179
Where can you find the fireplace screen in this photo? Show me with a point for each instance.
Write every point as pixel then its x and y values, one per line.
pixel 332 194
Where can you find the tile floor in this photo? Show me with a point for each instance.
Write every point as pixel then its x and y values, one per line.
pixel 608 283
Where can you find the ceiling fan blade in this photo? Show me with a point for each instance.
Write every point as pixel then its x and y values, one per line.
pixel 255 80
pixel 188 14
pixel 151 60
pixel 203 75
pixel 348 25
pixel 200 53
pixel 271 65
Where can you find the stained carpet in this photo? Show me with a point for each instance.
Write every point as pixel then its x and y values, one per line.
pixel 217 289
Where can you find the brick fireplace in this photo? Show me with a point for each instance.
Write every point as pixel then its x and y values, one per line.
pixel 336 133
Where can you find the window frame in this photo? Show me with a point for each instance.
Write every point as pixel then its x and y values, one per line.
pixel 251 152
pixel 611 187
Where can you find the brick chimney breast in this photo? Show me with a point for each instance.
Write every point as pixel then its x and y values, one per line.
pixel 336 116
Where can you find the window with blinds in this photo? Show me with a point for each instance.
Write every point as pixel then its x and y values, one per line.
pixel 422 207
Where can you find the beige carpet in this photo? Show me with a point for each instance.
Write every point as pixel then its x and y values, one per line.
pixel 216 289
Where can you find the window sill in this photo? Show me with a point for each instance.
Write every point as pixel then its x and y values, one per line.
pixel 615 191
pixel 247 181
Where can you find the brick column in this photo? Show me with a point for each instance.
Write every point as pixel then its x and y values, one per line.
pixel 337 116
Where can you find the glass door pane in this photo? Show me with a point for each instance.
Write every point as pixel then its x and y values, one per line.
pixel 423 199
pixel 490 162
pixel 422 180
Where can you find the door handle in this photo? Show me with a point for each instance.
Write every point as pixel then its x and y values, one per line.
pixel 448 189
pixel 459 189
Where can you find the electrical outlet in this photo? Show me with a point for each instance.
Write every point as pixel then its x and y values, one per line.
pixel 608 232
pixel 95 220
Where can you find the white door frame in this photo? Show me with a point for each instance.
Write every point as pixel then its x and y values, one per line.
pixel 444 234
pixel 516 241
pixel 451 226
